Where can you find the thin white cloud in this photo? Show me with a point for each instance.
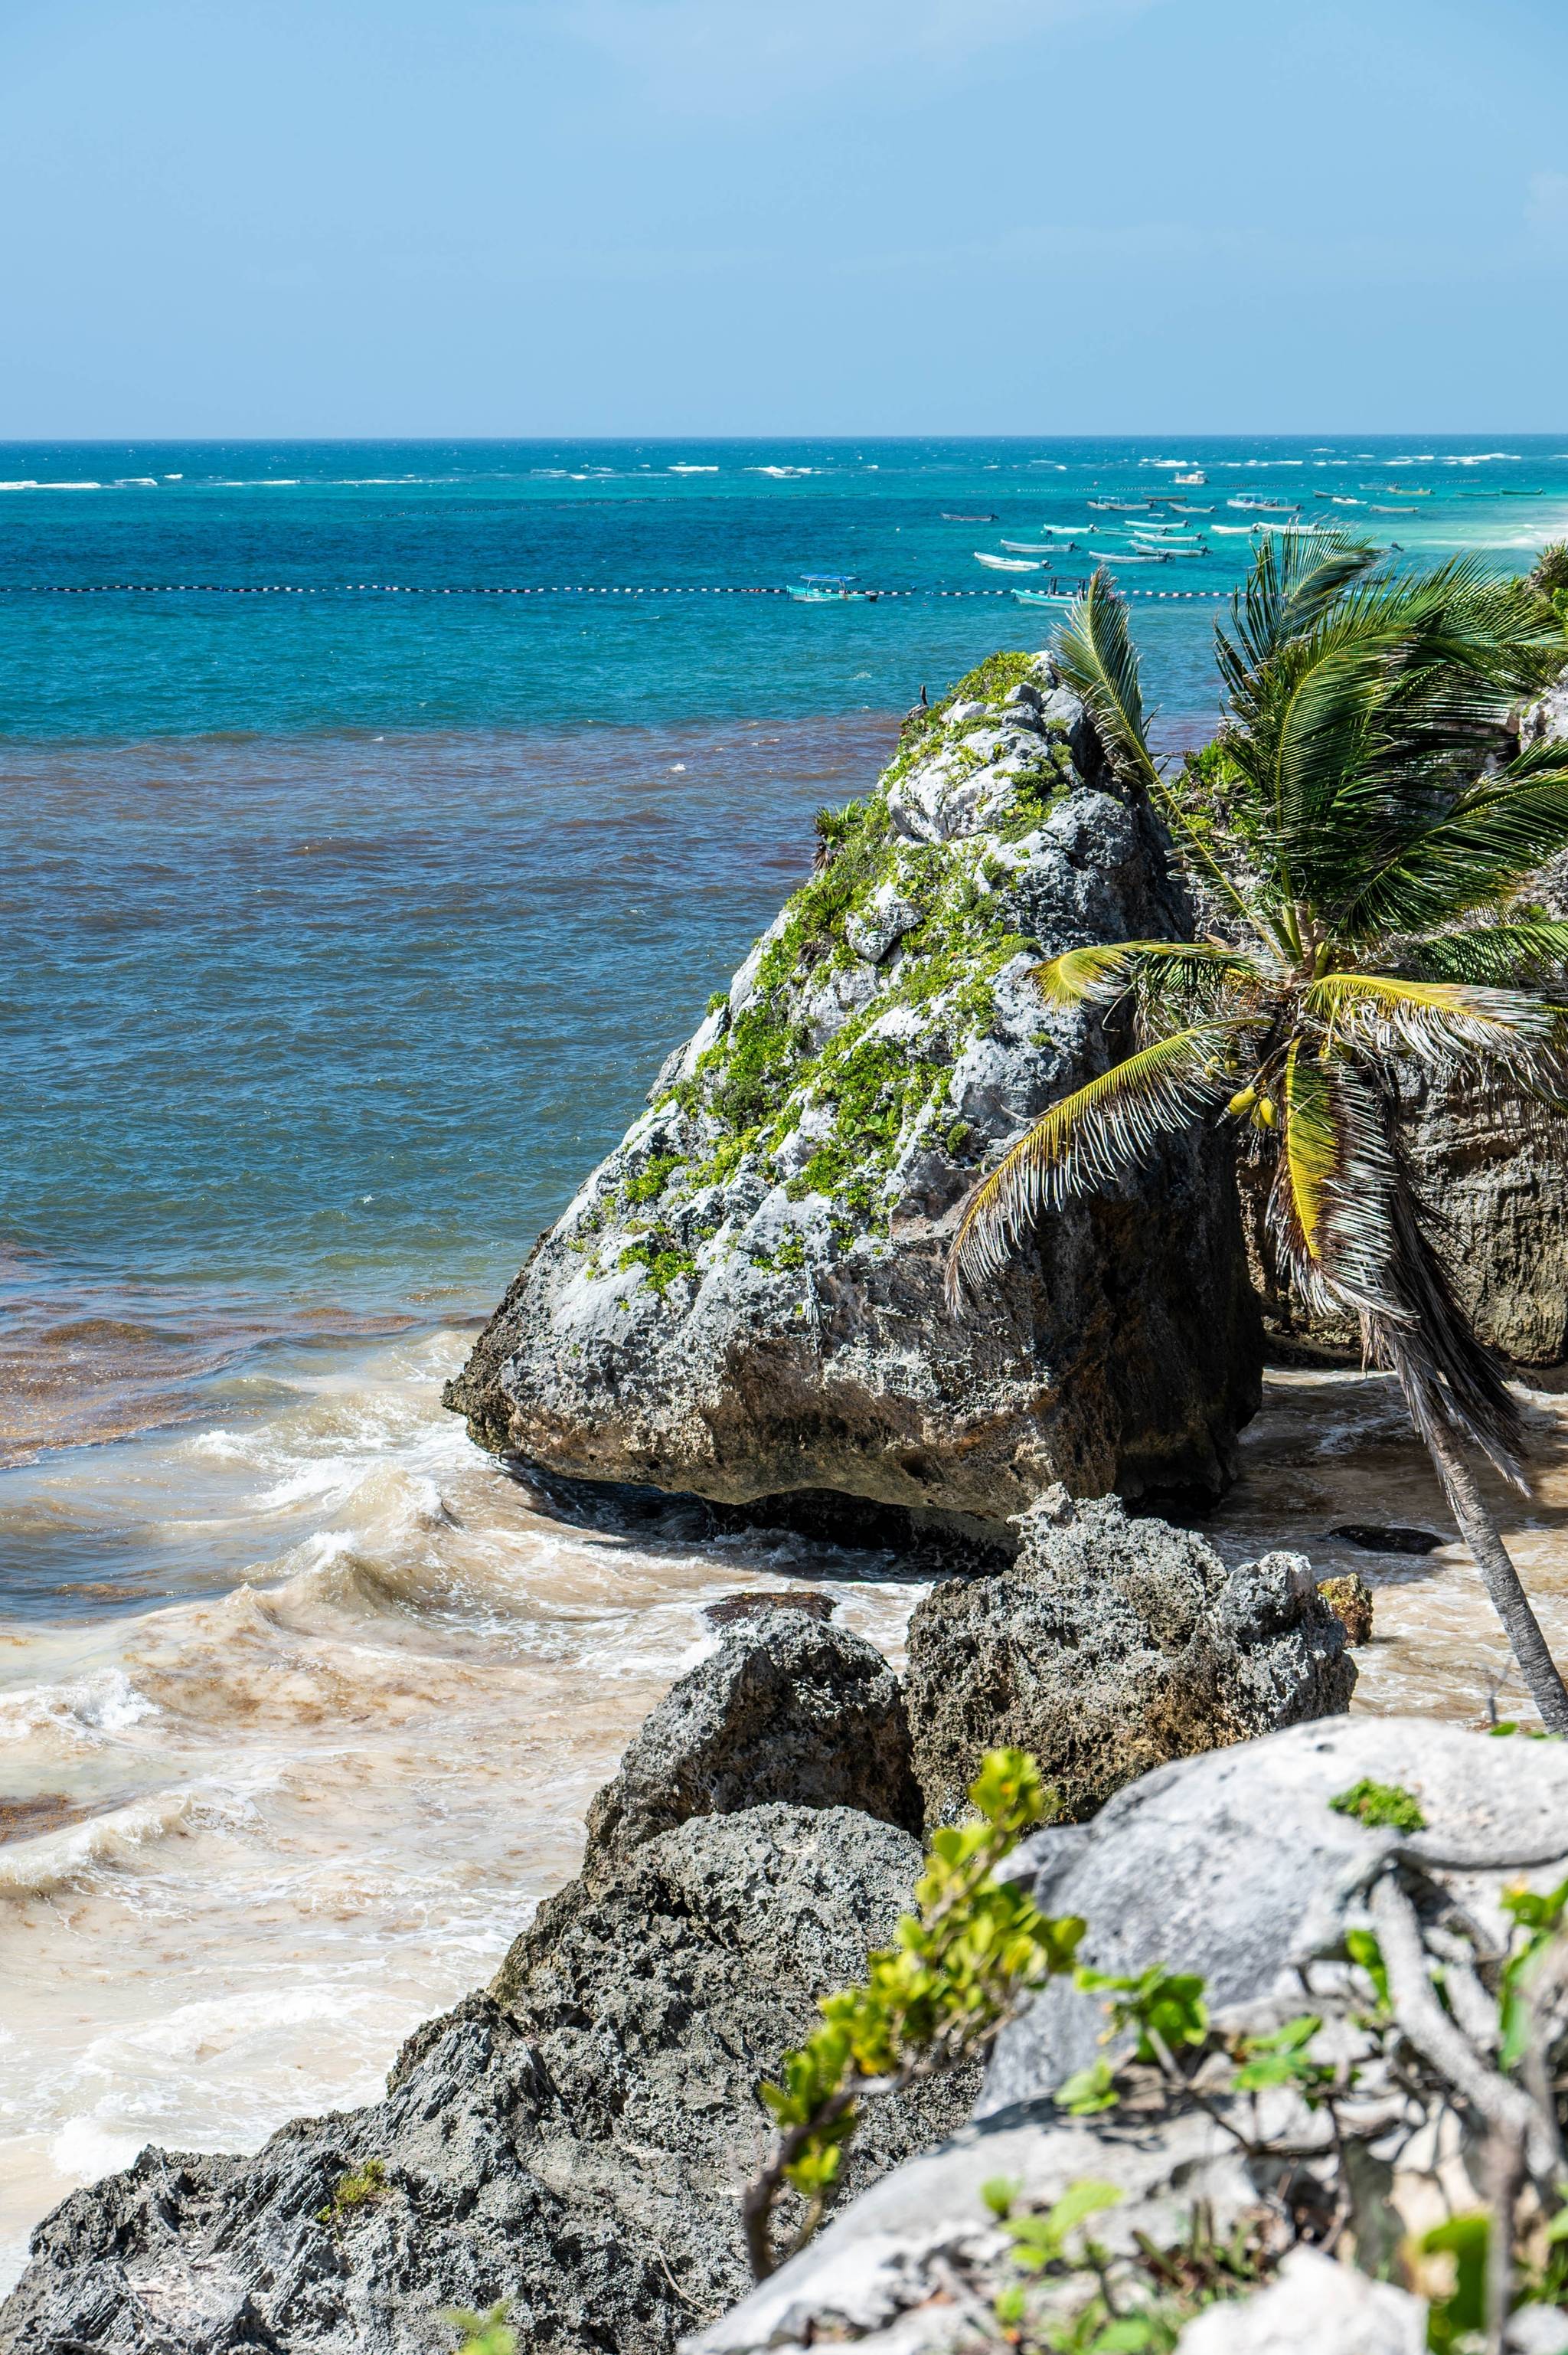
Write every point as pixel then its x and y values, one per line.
pixel 753 53
pixel 1546 206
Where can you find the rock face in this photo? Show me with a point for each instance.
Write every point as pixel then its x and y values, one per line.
pixel 1111 1645
pixel 788 1709
pixel 571 2142
pixel 1493 1165
pixel 1233 1865
pixel 745 1300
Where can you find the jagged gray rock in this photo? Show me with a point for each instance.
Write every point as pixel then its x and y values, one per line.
pixel 788 1708
pixel 571 2142
pixel 1112 1645
pixel 745 1299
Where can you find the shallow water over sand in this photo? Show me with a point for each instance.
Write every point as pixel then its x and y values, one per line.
pixel 254 1832
pixel 251 1836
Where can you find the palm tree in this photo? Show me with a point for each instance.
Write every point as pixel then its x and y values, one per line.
pixel 1356 875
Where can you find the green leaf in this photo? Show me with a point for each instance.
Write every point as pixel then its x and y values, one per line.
pixel 1364 1950
pixel 1087 2091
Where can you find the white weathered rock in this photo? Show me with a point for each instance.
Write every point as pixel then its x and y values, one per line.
pixel 1233 1865
pixel 886 918
pixel 872 2266
pixel 1315 2307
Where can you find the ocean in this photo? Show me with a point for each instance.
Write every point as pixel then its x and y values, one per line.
pixel 377 816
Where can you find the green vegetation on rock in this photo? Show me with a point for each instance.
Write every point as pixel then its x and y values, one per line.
pixel 866 1069
pixel 357 2188
pixel 1382 1806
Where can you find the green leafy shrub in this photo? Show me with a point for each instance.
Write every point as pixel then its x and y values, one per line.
pixel 1380 1806
pixel 356 2189
pixel 934 1999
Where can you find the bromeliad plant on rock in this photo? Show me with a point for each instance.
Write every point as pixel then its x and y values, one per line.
pixel 1372 834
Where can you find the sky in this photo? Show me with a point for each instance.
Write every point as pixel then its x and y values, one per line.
pixel 441 217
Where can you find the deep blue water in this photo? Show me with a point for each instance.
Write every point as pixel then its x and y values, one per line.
pixel 342 931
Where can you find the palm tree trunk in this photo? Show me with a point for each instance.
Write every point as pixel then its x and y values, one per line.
pixel 1508 1599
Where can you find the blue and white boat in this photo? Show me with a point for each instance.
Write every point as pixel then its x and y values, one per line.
pixel 830 589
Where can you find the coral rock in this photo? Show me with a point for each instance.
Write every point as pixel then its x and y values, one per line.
pixel 1111 1645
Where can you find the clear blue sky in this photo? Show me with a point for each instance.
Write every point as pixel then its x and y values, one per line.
pixel 515 216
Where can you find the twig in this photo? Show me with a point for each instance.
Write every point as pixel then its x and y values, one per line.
pixel 1503 2107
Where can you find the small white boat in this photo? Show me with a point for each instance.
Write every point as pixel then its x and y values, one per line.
pixel 1189 478
pixel 1270 506
pixel 1234 530
pixel 1171 533
pixel 1005 563
pixel 1128 554
pixel 1047 596
pixel 1174 552
pixel 1036 547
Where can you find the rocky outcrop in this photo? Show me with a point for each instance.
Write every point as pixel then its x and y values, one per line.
pixel 1111 1645
pixel 790 1710
pixel 1235 1866
pixel 745 1300
pixel 571 2143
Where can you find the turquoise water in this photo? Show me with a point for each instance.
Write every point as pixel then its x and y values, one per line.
pixel 342 928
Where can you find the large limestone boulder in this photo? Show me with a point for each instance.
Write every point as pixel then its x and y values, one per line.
pixel 570 2142
pixel 1111 1645
pixel 788 1708
pixel 745 1299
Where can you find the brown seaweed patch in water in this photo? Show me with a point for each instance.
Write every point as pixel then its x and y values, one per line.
pixel 47 1811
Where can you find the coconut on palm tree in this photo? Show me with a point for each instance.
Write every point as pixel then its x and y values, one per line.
pixel 1357 871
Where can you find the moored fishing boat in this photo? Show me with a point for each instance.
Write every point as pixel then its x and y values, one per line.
pixel 830 589
pixel 1197 476
pixel 1003 563
pixel 1129 555
pixel 1271 507
pixel 1047 596
pixel 1036 547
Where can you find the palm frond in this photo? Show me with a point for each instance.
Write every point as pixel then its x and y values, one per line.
pixel 1294 578
pixel 1312 1146
pixel 1332 1204
pixel 1470 856
pixel 1352 734
pixel 1096 974
pixel 1091 1137
pixel 1346 1222
pixel 1099 662
pixel 1437 1020
pixel 1444 1369
pixel 1501 954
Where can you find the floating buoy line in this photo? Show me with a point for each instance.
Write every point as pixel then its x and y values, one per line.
pixel 410 588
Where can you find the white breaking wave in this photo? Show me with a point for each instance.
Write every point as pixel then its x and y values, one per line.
pixel 31 1868
pixel 98 1706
